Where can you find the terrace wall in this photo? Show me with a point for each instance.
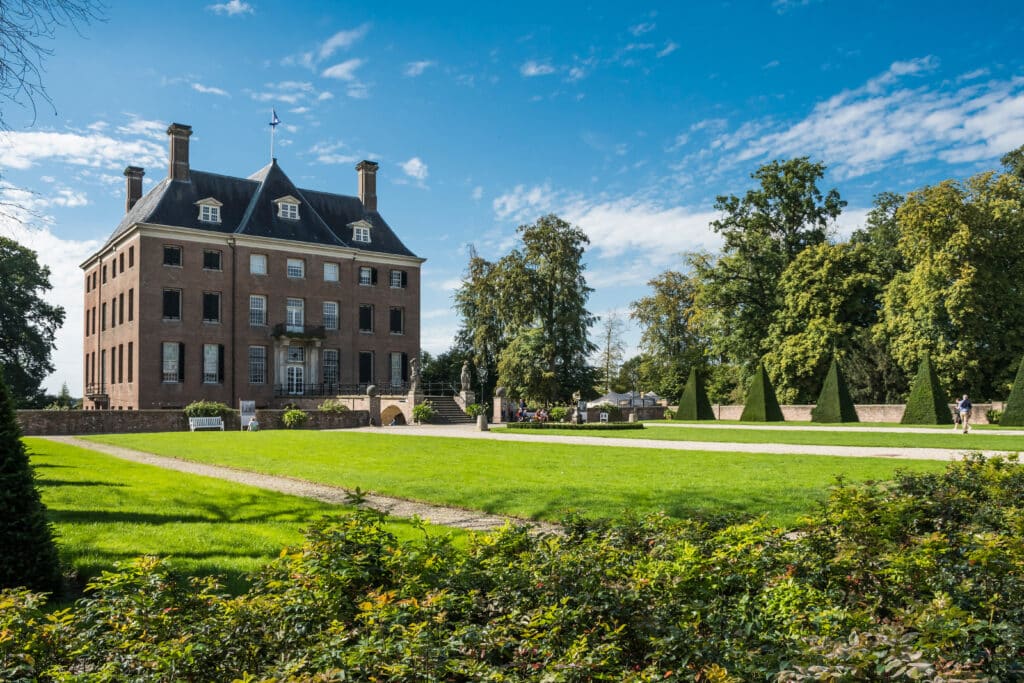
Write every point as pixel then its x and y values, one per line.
pixel 72 422
pixel 865 413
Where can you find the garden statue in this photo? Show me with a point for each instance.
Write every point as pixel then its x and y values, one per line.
pixel 466 377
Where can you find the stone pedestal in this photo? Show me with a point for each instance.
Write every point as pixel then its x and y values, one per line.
pixel 465 398
pixel 373 401
pixel 481 422
pixel 498 413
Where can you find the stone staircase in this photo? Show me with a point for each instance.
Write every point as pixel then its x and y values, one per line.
pixel 448 412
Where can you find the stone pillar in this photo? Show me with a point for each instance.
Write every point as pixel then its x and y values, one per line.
pixel 481 422
pixel 465 398
pixel 373 401
pixel 498 412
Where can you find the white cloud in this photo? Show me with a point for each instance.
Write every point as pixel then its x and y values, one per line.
pixel 331 153
pixel 771 65
pixel 209 90
pixel 522 203
pixel 415 169
pixel 414 69
pixel 533 68
pixel 137 126
pixel 342 40
pixel 231 8
pixel 670 47
pixel 21 150
pixel 478 193
pixel 289 92
pixel 343 71
pixel 642 28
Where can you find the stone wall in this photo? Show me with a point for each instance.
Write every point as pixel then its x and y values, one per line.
pixel 71 422
pixel 865 413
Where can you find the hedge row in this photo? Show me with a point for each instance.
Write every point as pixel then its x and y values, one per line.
pixel 590 426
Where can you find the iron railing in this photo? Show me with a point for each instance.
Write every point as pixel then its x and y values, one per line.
pixel 325 389
pixel 95 389
pixel 298 331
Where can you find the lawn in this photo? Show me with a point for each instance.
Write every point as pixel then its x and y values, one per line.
pixel 105 510
pixel 535 480
pixel 817 437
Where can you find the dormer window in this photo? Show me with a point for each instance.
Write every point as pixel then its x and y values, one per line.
pixel 288 208
pixel 361 231
pixel 209 210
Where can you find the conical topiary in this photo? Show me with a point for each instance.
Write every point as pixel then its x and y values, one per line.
pixel 835 403
pixel 694 405
pixel 29 556
pixel 1013 411
pixel 761 404
pixel 926 404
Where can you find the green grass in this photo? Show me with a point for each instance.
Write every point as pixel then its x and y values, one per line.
pixel 536 480
pixel 106 510
pixel 819 425
pixel 813 437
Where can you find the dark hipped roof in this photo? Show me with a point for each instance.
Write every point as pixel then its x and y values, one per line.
pixel 248 209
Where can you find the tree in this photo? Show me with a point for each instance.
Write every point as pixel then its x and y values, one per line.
pixel 443 369
pixel 30 556
pixel 962 298
pixel 611 349
pixel 27 322
pixel 670 338
pixel 520 372
pixel 1013 162
pixel 763 231
pixel 481 302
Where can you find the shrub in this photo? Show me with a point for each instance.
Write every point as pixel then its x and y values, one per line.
pixel 29 556
pixel 423 412
pixel 207 409
pixel 694 403
pixel 474 409
pixel 614 412
pixel 761 404
pixel 1013 411
pixel 294 418
pixel 611 426
pixel 559 413
pixel 670 414
pixel 835 403
pixel 926 404
pixel 333 406
pixel 993 416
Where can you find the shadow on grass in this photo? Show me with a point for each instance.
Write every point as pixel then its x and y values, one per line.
pixel 46 481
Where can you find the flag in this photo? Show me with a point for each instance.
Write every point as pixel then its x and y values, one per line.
pixel 273 119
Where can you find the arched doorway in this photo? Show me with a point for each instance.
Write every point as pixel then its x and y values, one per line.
pixel 392 414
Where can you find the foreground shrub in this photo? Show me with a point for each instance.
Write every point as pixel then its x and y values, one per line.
pixel 926 404
pixel 293 418
pixel 920 578
pixel 333 406
pixel 207 409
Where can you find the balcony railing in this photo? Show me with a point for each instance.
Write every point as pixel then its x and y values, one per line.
pixel 325 389
pixel 298 331
pixel 93 390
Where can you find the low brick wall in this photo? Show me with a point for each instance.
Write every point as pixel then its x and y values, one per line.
pixel 865 413
pixel 71 422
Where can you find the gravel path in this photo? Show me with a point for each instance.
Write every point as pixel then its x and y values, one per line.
pixel 470 520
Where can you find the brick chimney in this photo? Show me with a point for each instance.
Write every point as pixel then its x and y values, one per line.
pixel 133 186
pixel 179 134
pixel 368 184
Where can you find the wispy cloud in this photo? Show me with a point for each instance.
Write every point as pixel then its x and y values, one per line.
pixel 333 153
pixel 670 47
pixel 232 8
pixel 642 28
pixel 344 71
pixel 22 150
pixel 209 90
pixel 533 68
pixel 783 6
pixel 342 40
pixel 415 169
pixel 289 92
pixel 414 69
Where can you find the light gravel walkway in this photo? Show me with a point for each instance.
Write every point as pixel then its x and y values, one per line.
pixel 470 520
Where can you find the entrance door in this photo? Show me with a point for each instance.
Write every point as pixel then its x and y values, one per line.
pixel 296 379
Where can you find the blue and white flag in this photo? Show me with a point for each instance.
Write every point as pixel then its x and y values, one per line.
pixel 273 119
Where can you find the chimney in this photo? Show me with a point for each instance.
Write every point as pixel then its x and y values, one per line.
pixel 368 184
pixel 133 186
pixel 179 134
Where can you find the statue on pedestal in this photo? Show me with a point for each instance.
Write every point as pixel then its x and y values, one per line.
pixel 466 378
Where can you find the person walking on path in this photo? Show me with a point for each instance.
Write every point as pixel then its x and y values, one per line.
pixel 964 406
pixel 956 414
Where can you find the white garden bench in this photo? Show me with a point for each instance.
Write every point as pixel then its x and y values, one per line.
pixel 195 423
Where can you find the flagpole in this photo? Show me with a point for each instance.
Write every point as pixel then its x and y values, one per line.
pixel 273 129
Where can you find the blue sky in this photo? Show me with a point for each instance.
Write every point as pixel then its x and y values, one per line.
pixel 625 118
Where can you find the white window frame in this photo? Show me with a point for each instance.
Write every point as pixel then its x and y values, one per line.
pixel 288 211
pixel 257 310
pixel 209 213
pixel 330 315
pixel 296 268
pixel 360 233
pixel 171 371
pixel 396 369
pixel 257 365
pixel 366 276
pixel 332 271
pixel 295 377
pixel 295 312
pixel 296 354
pixel 261 260
pixel 396 279
pixel 211 363
pixel 332 360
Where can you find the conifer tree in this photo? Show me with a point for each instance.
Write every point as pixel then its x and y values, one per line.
pixel 1013 411
pixel 694 404
pixel 761 404
pixel 835 403
pixel 926 404
pixel 29 556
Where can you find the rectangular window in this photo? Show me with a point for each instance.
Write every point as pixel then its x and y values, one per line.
pixel 257 264
pixel 330 315
pixel 257 310
pixel 360 233
pixel 209 214
pixel 113 365
pixel 365 367
pixel 257 365
pixel 296 315
pixel 103 364
pixel 113 312
pixel 331 367
pixel 94 320
pixel 213 363
pixel 92 368
pixel 399 279
pixel 131 257
pixel 288 210
pixel 296 354
pixel 211 260
pixel 120 308
pixel 172 256
pixel 365 318
pixel 330 272
pixel 397 321
pixel 172 304
pixel 104 275
pixel 120 363
pixel 173 362
pixel 296 268
pixel 88 278
pixel 103 316
pixel 211 307
pixel 131 305
pixel 120 262
pixel 399 369
pixel 131 361
pixel 367 275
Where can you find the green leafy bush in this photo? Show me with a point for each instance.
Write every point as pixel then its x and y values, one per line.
pixel 207 409
pixel 423 412
pixel 474 409
pixel 835 403
pixel 761 404
pixel 694 403
pixel 926 404
pixel 611 426
pixel 1013 411
pixel 333 406
pixel 559 413
pixel 993 416
pixel 294 418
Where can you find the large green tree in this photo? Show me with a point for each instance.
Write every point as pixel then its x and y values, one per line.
pixel 962 297
pixel 27 322
pixel 762 232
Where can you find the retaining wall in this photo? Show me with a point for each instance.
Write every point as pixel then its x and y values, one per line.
pixel 865 413
pixel 74 422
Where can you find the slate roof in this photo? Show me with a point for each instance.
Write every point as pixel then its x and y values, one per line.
pixel 248 209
